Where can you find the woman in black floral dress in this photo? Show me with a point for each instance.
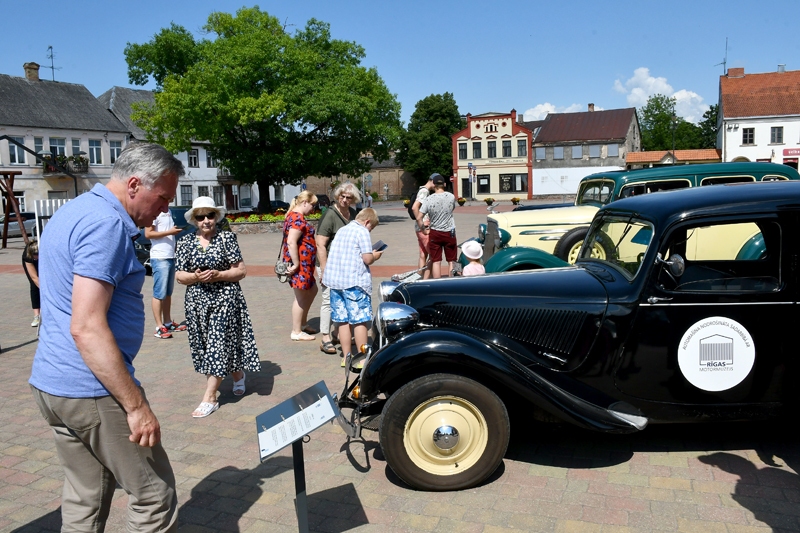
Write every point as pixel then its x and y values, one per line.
pixel 221 337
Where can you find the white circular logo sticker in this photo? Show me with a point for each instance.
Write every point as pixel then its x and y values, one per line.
pixel 716 354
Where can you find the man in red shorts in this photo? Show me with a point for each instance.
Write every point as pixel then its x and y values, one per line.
pixel 439 208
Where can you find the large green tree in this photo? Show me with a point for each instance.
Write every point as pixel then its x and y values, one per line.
pixel 662 129
pixel 708 127
pixel 275 107
pixel 426 147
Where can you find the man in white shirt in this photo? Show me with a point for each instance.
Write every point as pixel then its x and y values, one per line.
pixel 162 262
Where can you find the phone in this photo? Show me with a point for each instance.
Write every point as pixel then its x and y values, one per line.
pixel 379 246
pixel 204 268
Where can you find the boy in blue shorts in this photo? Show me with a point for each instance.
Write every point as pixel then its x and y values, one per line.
pixel 162 261
pixel 348 276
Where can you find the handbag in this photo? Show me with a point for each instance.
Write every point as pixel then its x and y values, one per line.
pixel 282 267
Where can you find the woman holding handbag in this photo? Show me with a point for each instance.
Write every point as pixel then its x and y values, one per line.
pixel 209 262
pixel 300 251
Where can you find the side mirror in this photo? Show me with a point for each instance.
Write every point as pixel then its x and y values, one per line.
pixel 676 264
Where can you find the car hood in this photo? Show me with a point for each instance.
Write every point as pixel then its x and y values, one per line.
pixel 516 221
pixel 549 316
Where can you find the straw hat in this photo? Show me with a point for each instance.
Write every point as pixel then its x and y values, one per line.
pixel 472 249
pixel 204 203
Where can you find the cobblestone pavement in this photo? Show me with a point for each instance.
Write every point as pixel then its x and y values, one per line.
pixel 723 478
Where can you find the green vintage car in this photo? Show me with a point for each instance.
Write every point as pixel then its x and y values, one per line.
pixel 530 236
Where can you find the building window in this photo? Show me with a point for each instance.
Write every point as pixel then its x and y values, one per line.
pixel 218 198
pixel 462 150
pixel 476 150
pixel 491 147
pixel 558 152
pixel 38 145
pixel 211 161
pixel 491 128
pixel 186 195
pixel 577 152
pixel 522 148
pixel 20 196
pixel 513 183
pixel 540 152
pixel 594 150
pixel 246 195
pixel 748 135
pixel 506 148
pixel 776 135
pixel 202 191
pixel 76 146
pixel 193 159
pixel 58 146
pixel 483 184
pixel 15 153
pixel 95 152
pixel 613 150
pixel 115 147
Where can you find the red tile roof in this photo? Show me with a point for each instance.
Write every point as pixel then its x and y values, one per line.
pixel 758 95
pixel 704 154
pixel 612 124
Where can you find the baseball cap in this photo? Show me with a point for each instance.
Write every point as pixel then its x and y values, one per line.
pixel 437 178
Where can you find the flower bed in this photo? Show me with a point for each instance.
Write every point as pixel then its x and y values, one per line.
pixel 264 223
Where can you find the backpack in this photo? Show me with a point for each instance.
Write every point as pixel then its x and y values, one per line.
pixel 411 205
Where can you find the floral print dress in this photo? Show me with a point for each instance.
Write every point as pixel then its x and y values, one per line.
pixel 306 248
pixel 220 332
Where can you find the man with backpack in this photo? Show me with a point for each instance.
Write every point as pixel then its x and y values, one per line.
pixel 422 234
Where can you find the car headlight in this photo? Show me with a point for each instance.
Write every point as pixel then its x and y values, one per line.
pixel 481 233
pixel 395 318
pixel 387 288
pixel 504 237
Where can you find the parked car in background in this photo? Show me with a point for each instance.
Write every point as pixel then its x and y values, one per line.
pixel 689 316
pixel 278 204
pixel 560 230
pixel 29 223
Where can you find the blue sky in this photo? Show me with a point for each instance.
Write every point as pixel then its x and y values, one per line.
pixel 531 55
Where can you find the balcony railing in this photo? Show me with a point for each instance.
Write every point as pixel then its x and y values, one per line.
pixel 79 166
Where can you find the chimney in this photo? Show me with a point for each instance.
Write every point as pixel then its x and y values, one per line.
pixel 736 72
pixel 31 71
pixel 591 108
pixel 781 68
pixel 513 115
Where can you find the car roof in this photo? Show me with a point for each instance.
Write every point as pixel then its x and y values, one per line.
pixel 733 198
pixel 709 169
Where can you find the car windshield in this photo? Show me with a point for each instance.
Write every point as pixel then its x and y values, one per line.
pixel 595 192
pixel 620 241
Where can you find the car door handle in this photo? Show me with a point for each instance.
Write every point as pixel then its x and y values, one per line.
pixel 656 299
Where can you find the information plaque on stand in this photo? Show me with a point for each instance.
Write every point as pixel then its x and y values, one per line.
pixel 287 423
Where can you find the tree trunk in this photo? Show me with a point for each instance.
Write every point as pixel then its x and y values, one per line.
pixel 264 198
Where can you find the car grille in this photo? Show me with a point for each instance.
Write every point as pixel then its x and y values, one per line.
pixel 548 329
pixel 490 241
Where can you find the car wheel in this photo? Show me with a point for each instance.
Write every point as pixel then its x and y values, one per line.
pixel 444 432
pixel 569 246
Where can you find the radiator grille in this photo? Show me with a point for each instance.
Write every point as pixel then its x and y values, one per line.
pixel 550 329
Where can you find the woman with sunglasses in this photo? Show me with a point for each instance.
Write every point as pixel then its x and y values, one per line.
pixel 300 250
pixel 336 217
pixel 209 262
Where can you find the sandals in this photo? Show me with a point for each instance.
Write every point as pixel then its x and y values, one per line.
pixel 327 347
pixel 205 409
pixel 302 336
pixel 238 386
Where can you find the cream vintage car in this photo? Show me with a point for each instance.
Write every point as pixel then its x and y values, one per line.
pixel 561 230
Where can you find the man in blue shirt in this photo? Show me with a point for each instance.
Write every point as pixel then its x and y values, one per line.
pixel 83 376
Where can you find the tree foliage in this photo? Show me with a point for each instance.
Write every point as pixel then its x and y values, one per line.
pixel 708 127
pixel 275 107
pixel 426 147
pixel 662 129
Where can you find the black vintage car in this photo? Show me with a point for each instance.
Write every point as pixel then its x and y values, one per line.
pixel 687 319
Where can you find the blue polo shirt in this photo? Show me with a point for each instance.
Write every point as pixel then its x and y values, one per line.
pixel 91 236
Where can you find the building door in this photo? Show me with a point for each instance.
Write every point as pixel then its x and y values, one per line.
pixel 465 188
pixel 231 197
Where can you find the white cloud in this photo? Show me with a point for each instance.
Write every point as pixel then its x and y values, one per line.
pixel 642 86
pixel 540 111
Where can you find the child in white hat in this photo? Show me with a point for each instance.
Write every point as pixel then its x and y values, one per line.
pixel 473 251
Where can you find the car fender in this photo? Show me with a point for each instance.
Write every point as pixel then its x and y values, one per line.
pixel 440 350
pixel 520 257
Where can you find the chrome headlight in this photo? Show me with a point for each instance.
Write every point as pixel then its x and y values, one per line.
pixel 481 233
pixel 387 288
pixel 395 318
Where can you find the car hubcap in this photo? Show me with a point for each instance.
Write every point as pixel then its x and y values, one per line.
pixel 597 252
pixel 445 435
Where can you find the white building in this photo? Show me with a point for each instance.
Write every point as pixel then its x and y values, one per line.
pixel 759 116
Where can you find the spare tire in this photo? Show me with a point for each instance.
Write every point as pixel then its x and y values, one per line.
pixel 569 246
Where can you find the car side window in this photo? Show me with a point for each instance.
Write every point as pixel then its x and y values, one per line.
pixel 596 193
pixel 742 256
pixel 635 189
pixel 719 180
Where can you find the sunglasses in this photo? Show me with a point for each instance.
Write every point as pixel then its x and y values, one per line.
pixel 210 216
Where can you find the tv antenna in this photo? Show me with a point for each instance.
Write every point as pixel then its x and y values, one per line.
pixel 50 56
pixel 724 61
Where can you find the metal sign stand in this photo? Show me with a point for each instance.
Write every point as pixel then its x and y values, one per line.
pixel 301 503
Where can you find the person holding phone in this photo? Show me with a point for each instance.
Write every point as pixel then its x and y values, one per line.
pixel 221 337
pixel 439 208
